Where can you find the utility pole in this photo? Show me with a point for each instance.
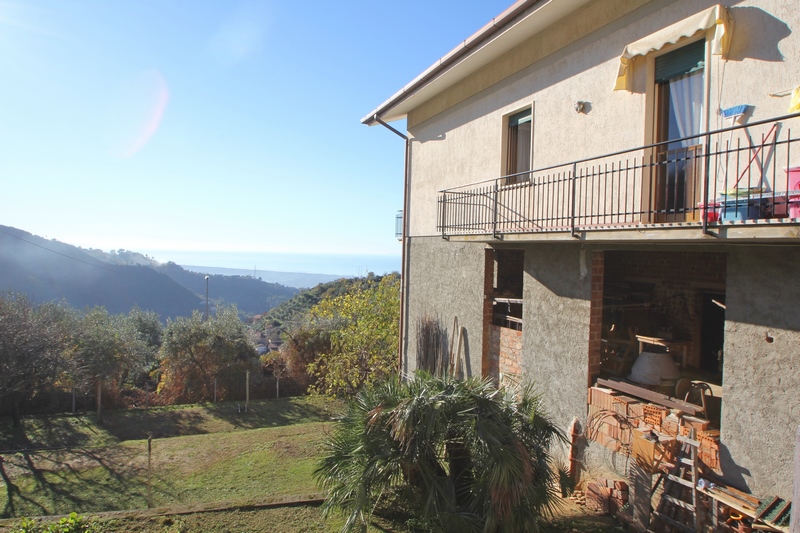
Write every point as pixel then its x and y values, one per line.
pixel 206 298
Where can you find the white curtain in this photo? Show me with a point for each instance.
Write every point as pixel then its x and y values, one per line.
pixel 686 99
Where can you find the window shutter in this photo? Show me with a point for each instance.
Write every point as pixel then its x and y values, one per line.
pixel 689 58
pixel 520 118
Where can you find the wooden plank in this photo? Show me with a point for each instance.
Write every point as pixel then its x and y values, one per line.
pixel 673 522
pixel 684 482
pixel 730 501
pixel 678 502
pixel 752 500
pixel 695 494
pixel 690 442
pixel 650 396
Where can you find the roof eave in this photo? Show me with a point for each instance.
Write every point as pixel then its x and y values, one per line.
pixel 393 108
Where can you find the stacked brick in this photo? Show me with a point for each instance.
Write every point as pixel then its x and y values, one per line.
pixel 613 416
pixel 509 350
pixel 606 496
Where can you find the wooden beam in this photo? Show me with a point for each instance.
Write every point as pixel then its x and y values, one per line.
pixel 650 396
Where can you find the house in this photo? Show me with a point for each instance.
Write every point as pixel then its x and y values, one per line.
pixel 589 180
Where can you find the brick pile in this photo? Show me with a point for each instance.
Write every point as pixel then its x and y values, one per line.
pixel 613 416
pixel 606 496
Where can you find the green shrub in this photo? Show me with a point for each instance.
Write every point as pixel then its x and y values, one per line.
pixel 74 523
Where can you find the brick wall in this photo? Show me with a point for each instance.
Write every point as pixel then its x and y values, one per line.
pixel 596 315
pixel 505 352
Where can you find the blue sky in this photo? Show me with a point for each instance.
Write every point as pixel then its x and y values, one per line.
pixel 212 126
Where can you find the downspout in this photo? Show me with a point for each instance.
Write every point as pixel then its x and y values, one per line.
pixel 404 245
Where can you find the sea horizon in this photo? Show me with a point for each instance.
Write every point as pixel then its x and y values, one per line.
pixel 306 263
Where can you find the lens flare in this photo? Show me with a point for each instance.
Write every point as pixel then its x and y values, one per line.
pixel 136 112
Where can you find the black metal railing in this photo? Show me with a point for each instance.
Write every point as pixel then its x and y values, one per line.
pixel 733 175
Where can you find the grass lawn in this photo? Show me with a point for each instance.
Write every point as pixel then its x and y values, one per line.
pixel 161 422
pixel 207 453
pixel 232 466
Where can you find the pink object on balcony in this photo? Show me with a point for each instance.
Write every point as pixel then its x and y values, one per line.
pixel 794 206
pixel 794 178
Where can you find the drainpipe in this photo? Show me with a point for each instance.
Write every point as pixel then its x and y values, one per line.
pixel 404 241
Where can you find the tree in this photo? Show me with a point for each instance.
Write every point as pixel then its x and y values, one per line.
pixel 106 351
pixel 32 339
pixel 464 455
pixel 195 352
pixel 363 326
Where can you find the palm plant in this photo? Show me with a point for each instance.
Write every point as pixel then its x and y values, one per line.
pixel 465 455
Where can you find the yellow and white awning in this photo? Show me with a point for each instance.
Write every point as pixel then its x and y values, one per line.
pixel 717 17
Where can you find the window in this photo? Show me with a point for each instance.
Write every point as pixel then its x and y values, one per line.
pixel 680 88
pixel 520 143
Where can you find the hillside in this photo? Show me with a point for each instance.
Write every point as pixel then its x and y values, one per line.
pixel 281 317
pixel 252 296
pixel 298 280
pixel 47 270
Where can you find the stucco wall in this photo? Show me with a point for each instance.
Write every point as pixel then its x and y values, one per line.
pixel 446 281
pixel 555 332
pixel 458 140
pixel 761 379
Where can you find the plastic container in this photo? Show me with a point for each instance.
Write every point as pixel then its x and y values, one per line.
pixel 794 206
pixel 739 209
pixel 710 213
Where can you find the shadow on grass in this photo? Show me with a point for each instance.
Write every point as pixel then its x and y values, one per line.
pixel 272 413
pixel 58 482
pixel 214 418
pixel 49 432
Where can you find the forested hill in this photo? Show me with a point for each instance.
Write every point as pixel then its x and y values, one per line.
pixel 47 270
pixel 293 310
pixel 252 296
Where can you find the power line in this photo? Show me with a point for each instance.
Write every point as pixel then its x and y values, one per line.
pixel 65 255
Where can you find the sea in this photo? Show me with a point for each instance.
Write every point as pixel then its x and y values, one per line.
pixel 333 264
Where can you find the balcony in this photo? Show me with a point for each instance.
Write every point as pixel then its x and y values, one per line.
pixel 730 182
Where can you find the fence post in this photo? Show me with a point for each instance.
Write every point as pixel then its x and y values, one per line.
pixel 149 463
pixel 572 201
pixel 494 213
pixel 277 386
pixel 246 390
pixel 99 399
pixel 706 185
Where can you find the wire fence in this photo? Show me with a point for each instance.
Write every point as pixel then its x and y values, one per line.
pixel 66 463
pixel 238 386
